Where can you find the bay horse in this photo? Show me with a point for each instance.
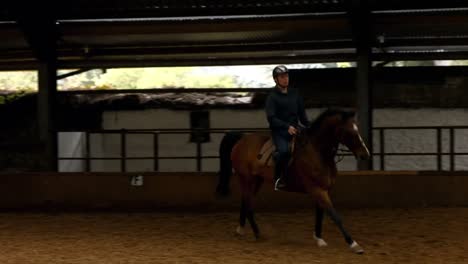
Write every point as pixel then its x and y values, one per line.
pixel 312 169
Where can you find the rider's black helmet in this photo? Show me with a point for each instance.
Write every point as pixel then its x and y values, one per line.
pixel 279 70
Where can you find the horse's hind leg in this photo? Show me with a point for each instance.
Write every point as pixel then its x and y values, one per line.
pixel 323 200
pixel 251 218
pixel 249 206
pixel 249 187
pixel 246 212
pixel 258 184
pixel 242 219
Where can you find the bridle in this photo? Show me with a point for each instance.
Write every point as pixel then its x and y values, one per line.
pixel 338 152
pixel 340 155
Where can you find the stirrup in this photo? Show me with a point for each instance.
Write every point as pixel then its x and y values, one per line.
pixel 279 185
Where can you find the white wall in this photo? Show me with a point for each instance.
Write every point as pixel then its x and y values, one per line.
pixel 141 145
pixel 179 145
pixel 423 140
pixel 71 145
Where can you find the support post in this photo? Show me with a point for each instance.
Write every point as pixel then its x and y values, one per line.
pixel 360 19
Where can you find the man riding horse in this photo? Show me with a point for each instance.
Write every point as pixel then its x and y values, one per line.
pixel 284 109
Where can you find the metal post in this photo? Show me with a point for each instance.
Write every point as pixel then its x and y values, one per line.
pixel 40 32
pixel 360 19
pixel 87 152
pixel 199 159
pixel 199 165
pixel 156 150
pixel 46 112
pixel 382 148
pixel 452 149
pixel 439 149
pixel 123 150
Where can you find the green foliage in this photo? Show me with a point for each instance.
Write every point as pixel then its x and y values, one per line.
pixel 177 77
pixel 17 84
pixel 86 80
pixel 143 78
pixel 120 78
pixel 14 95
pixel 174 77
pixel 18 81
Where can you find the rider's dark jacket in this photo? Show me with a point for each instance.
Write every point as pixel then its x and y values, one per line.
pixel 285 109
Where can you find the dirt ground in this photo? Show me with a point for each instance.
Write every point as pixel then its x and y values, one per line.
pixel 427 235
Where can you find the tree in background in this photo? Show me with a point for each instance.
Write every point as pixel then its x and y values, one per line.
pixel 183 77
pixel 248 76
pixel 18 81
pixel 86 80
pixel 119 78
pixel 144 78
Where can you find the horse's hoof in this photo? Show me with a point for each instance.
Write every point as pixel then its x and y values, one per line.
pixel 240 231
pixel 356 248
pixel 320 242
pixel 258 238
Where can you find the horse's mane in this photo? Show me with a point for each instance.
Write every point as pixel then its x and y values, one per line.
pixel 317 123
pixel 345 114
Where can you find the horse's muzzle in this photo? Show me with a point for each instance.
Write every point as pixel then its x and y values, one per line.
pixel 363 154
pixel 363 157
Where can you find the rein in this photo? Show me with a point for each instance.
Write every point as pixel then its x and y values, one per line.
pixel 340 156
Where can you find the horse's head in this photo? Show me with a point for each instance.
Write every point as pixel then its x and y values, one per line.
pixel 347 133
pixel 336 126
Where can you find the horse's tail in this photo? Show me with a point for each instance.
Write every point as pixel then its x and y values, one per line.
pixel 225 164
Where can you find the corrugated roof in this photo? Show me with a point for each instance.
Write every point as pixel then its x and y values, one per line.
pixel 117 33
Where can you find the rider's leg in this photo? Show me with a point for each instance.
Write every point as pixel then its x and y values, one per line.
pixel 281 159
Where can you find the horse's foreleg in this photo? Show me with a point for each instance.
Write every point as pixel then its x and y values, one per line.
pixel 318 227
pixel 324 201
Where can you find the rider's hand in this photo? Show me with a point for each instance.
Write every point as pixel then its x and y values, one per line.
pixel 292 130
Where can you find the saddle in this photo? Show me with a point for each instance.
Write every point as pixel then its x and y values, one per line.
pixel 265 156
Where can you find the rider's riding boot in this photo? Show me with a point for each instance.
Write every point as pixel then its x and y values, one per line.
pixel 281 168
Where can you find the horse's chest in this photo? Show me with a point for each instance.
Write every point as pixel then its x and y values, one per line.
pixel 327 179
pixel 320 175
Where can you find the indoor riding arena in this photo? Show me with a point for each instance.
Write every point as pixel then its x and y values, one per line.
pixel 128 146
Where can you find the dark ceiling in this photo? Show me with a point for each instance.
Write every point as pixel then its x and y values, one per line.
pixel 141 33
